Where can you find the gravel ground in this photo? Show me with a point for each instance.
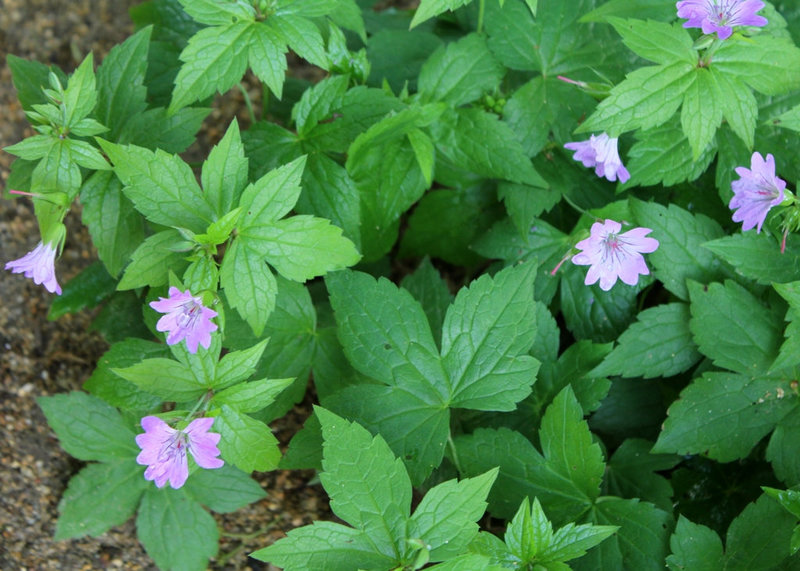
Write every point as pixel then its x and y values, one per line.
pixel 41 357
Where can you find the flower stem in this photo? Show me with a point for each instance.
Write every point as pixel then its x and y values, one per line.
pixel 247 102
pixel 453 452
pixel 481 10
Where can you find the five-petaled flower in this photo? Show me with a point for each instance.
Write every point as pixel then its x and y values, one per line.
pixel 601 153
pixel 720 16
pixel 164 450
pixel 756 192
pixel 186 317
pixel 38 264
pixel 612 255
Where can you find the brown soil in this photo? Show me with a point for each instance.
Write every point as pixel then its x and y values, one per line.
pixel 41 357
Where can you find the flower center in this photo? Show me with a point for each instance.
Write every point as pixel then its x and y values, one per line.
pixel 614 250
pixel 190 312
pixel 175 445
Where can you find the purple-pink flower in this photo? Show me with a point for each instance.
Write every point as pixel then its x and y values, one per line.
pixel 720 16
pixel 612 255
pixel 756 192
pixel 186 318
pixel 164 450
pixel 601 153
pixel 38 264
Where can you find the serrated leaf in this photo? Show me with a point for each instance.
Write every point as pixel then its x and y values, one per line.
pixel 238 366
pixel 768 64
pixel 680 255
pixel 750 544
pixel 485 337
pixel 445 518
pixel 155 129
pixel 267 57
pixel 176 531
pixel 753 333
pixel 694 546
pixel 57 172
pixel 368 486
pixel 272 196
pixel 246 443
pixel 224 173
pixel 658 42
pixel 782 451
pixel 85 155
pixel 723 415
pixel 701 114
pixel 432 293
pixel 655 9
pixel 429 8
pixel 99 497
pixel 573 541
pixel 214 60
pixel 647 98
pixel 88 289
pixel 29 78
pixel 302 36
pixel 88 428
pixel 632 473
pixel 152 261
pixel 252 396
pixel 758 257
pixel 739 106
pixel 249 284
pixel 223 489
pixel 460 73
pixel 164 378
pixel 80 95
pixel 216 12
pixel 659 344
pixel 161 186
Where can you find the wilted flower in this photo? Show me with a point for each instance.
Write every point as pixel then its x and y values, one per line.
pixel 601 153
pixel 612 255
pixel 756 192
pixel 186 317
pixel 720 16
pixel 164 450
pixel 38 264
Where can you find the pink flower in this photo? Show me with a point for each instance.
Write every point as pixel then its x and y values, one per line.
pixel 720 16
pixel 612 255
pixel 186 317
pixel 164 450
pixel 601 153
pixel 38 264
pixel 756 192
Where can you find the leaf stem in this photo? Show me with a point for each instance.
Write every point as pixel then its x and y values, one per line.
pixel 453 452
pixel 481 9
pixel 247 102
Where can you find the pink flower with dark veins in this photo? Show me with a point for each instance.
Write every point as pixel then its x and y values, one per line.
pixel 39 265
pixel 164 450
pixel 601 153
pixel 756 192
pixel 612 255
pixel 720 16
pixel 186 318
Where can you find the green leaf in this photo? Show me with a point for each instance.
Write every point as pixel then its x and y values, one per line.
pixel 214 60
pixel 225 172
pixel 85 155
pixel 478 142
pixel 432 293
pixel 429 8
pixel 768 64
pixel 369 488
pixel 249 284
pixel 32 148
pixel 385 333
pixel 632 473
pixel 460 73
pixel 701 114
pixel 238 366
pixel 782 451
pixel 485 338
pixel 590 312
pixel 272 196
pixel 750 544
pixel 641 542
pixel 658 42
pixel 302 247
pixel 680 255
pixel 267 56
pixel 176 531
pixel 396 56
pixel 303 37
pixel 121 93
pixel 115 390
pixel 647 98
pixel 99 497
pixel 161 186
pixel 154 259
pixel 723 415
pixel 224 489
pixel 217 13
pixel 790 350
pixel 29 78
pixel 445 518
pixel 659 344
pixel 753 333
pixel 739 106
pixel 252 396
pixel 655 9
pixel 154 129
pixel 164 378
pixel 694 546
pixel 573 541
pixel 88 428
pixel 80 95
pixel 57 172
pixel 529 532
pixel 88 289
pixel 758 257
pixel 325 545
pixel 115 226
pixel 246 443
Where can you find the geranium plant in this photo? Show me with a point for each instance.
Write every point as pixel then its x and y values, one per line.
pixel 497 243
